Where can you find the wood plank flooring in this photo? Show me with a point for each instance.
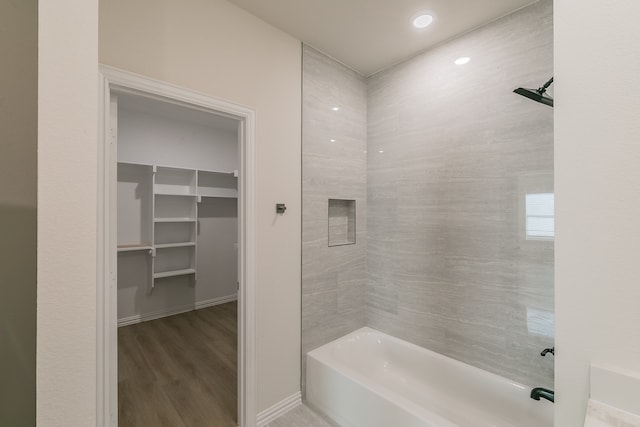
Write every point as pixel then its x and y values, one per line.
pixel 179 371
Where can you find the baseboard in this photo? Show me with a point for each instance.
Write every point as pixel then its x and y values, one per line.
pixel 216 301
pixel 616 387
pixel 138 318
pixel 279 409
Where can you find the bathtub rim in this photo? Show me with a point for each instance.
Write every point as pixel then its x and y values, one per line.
pixel 323 356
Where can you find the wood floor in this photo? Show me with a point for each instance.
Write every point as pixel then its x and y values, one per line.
pixel 179 371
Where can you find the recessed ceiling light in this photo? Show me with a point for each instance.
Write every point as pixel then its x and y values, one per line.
pixel 422 21
pixel 336 108
pixel 332 140
pixel 381 151
pixel 462 61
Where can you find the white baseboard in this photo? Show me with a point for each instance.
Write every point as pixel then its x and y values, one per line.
pixel 138 318
pixel 279 409
pixel 616 387
pixel 216 301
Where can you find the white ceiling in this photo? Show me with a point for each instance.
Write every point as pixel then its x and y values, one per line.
pixel 370 35
pixel 172 111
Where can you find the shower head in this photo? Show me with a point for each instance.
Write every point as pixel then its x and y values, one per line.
pixel 537 95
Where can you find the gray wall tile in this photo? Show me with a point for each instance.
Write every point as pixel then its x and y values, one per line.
pixel 333 278
pixel 439 159
pixel 448 266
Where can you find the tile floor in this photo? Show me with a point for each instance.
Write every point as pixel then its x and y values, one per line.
pixel 302 416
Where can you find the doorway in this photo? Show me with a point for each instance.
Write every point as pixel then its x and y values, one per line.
pixel 177 238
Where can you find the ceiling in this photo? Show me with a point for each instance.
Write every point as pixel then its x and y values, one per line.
pixel 172 111
pixel 370 35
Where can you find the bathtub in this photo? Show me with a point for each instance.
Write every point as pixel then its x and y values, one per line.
pixel 370 379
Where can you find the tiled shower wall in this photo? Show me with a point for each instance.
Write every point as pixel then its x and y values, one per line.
pixel 452 153
pixel 441 258
pixel 334 166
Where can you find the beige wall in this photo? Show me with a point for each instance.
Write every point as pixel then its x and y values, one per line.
pixel 229 54
pixel 597 158
pixel 67 212
pixel 216 48
pixel 18 124
pixel 209 46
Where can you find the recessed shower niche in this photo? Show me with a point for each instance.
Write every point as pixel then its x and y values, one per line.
pixel 342 222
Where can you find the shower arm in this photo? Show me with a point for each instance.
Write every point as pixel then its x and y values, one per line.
pixel 544 87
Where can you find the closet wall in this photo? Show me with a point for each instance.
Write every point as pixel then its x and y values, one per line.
pixel 165 135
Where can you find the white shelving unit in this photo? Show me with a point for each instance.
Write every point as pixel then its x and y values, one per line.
pixel 174 245
pixel 158 213
pixel 174 181
pixel 217 184
pixel 175 202
pixel 133 248
pixel 135 205
pixel 174 273
pixel 183 219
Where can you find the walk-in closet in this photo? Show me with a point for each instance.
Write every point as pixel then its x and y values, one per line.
pixel 177 234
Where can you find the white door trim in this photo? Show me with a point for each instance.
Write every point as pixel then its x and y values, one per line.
pixel 107 381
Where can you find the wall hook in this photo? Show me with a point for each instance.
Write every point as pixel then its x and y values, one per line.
pixel 280 208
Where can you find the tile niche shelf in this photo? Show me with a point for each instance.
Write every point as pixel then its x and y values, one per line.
pixel 342 222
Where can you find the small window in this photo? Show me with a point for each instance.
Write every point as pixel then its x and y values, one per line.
pixel 540 322
pixel 540 216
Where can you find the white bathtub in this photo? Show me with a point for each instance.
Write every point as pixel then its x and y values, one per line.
pixel 370 379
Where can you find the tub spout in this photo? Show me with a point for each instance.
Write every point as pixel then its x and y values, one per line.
pixel 540 392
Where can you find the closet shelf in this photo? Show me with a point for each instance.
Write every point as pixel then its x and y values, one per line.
pixel 219 193
pixel 227 172
pixel 173 273
pixel 174 220
pixel 135 247
pixel 175 245
pixel 171 193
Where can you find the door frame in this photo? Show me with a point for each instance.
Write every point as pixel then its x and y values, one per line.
pixel 113 79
